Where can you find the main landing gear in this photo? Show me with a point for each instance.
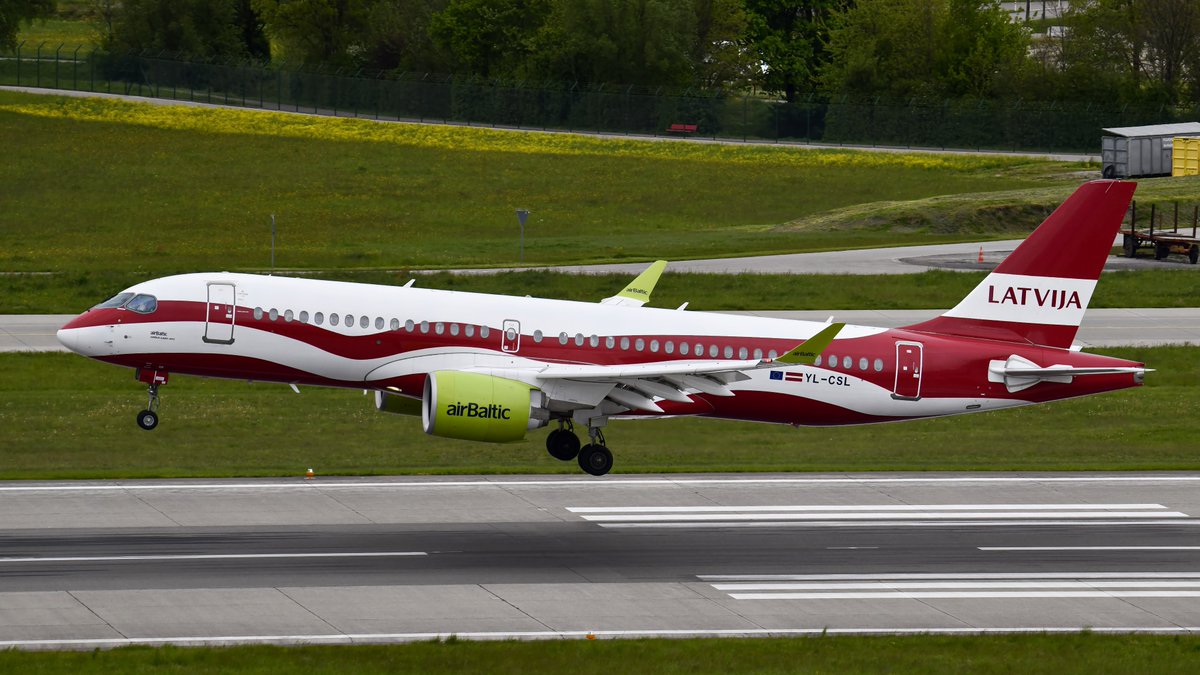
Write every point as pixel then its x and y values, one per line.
pixel 594 458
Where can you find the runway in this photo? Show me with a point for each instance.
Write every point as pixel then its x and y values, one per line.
pixel 339 560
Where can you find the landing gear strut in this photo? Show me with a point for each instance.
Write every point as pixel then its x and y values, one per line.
pixel 562 443
pixel 148 418
pixel 595 458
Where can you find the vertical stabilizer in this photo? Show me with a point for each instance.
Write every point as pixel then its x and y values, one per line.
pixel 1039 293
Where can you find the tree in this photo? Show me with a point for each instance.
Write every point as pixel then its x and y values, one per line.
pixel 902 49
pixel 789 40
pixel 194 29
pixel 488 38
pixel 316 31
pixel 14 12
pixel 398 37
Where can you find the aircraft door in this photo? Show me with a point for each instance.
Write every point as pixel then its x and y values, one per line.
pixel 510 336
pixel 219 320
pixel 909 362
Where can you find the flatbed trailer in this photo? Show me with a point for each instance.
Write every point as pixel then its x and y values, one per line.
pixel 1164 241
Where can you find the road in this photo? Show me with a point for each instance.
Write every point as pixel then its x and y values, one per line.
pixel 1145 327
pixel 88 564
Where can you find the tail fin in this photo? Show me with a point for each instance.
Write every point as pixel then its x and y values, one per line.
pixel 1039 293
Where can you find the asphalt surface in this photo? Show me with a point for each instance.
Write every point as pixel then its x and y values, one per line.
pixel 87 564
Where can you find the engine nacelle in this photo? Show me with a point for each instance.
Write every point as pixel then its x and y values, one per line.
pixel 478 407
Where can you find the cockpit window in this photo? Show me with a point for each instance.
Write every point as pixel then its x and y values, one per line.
pixel 115 301
pixel 142 304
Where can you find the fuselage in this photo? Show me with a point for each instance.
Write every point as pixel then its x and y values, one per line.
pixel 364 336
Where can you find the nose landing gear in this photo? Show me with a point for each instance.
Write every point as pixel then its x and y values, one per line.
pixel 148 418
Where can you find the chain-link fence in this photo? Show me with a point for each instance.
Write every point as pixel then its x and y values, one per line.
pixel 628 110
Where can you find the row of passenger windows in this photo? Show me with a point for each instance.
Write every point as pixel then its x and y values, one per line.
pixel 684 348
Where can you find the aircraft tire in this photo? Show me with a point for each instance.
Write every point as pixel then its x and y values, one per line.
pixel 595 459
pixel 562 445
pixel 147 419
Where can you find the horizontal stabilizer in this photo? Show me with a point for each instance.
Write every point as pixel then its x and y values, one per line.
pixel 1018 373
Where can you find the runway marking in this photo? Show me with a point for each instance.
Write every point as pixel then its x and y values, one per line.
pixel 214 556
pixel 999 586
pixel 862 515
pixel 610 482
pixel 1089 548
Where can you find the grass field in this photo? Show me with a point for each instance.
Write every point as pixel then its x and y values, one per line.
pixel 67 417
pixel 109 185
pixel 1059 654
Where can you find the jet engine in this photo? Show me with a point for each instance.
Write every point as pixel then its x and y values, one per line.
pixel 478 407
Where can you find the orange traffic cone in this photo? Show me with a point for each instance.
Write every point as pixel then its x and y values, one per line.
pixel 980 254
pixel 308 475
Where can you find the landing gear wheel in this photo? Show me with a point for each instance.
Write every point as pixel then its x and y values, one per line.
pixel 1194 253
pixel 147 419
pixel 562 445
pixel 595 459
pixel 1130 246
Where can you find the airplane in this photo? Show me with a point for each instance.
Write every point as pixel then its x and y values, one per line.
pixel 491 368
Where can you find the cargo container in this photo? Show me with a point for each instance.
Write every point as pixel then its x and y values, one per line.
pixel 1130 152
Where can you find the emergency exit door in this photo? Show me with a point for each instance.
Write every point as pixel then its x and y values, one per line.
pixel 909 358
pixel 218 324
pixel 510 336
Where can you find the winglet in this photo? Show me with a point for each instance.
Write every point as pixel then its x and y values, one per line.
pixel 807 352
pixel 637 293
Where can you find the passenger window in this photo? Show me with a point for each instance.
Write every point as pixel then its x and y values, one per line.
pixel 409 325
pixel 743 353
pixel 273 314
pixel 349 321
pixel 365 322
pixel 142 304
pixel 425 327
pixel 469 330
pixel 439 328
pixel 378 323
pixel 878 365
pixel 818 361
pixel 115 301
pixel 832 361
pixel 729 352
pixel 454 329
pixel 712 351
pixel 579 339
pixel 862 363
pixel 333 319
pixel 562 338
pixel 303 316
pixel 288 316
pixel 610 342
pixel 624 343
pixel 639 344
pixel 847 362
pixel 395 325
pixel 669 347
pixel 537 336
pixel 654 346
pixel 258 314
pixel 594 341
pixel 758 354
pixel 484 331
pixel 319 318
pixel 772 355
pixel 684 349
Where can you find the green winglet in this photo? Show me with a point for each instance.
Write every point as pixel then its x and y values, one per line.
pixel 641 287
pixel 807 352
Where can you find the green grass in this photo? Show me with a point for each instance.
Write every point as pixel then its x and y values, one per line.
pixel 67 417
pixel 70 293
pixel 1086 653
pixel 69 33
pixel 106 195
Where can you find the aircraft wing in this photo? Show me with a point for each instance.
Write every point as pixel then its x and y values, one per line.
pixel 637 293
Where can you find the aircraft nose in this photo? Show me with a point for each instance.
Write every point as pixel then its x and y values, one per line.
pixel 69 337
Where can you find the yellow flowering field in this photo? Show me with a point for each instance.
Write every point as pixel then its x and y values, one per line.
pixel 477 139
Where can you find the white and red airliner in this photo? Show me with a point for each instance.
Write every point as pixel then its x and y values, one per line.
pixel 490 368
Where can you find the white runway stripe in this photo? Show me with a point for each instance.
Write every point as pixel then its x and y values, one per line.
pixel 872 515
pixel 868 515
pixel 1089 548
pixel 953 586
pixel 215 556
pixel 859 507
pixel 964 595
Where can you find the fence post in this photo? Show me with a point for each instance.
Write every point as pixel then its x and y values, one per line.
pixel 75 68
pixel 56 51
pixel 19 45
pixel 38 65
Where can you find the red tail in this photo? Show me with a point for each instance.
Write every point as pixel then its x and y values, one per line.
pixel 1039 293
